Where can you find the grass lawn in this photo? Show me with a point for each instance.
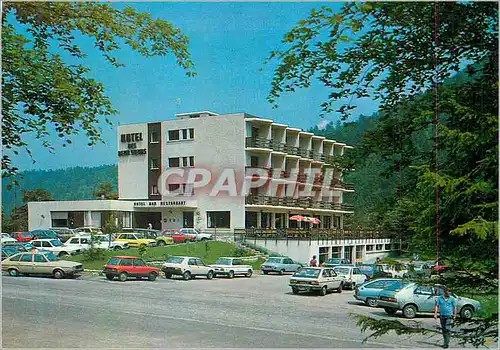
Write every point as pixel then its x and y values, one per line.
pixel 208 251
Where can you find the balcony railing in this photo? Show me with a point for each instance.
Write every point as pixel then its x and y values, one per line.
pixel 318 156
pixel 311 233
pixel 278 146
pixel 304 153
pixel 291 150
pixel 296 203
pixel 269 170
pixel 258 142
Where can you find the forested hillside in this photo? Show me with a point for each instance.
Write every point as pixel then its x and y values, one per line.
pixel 63 184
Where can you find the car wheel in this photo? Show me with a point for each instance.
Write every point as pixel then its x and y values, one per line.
pixel 110 277
pixel 152 276
pixel 161 243
pixel 466 312
pixel 353 286
pixel 186 275
pixel 63 253
pixel 168 275
pixel 322 291
pixel 409 311
pixel 341 286
pixel 230 274
pixel 372 302
pixel 58 274
pixel 265 272
pixel 282 272
pixel 13 272
pixel 249 273
pixel 203 239
pixel 295 290
pixel 186 240
pixel 210 275
pixel 123 276
pixel 390 310
pixel 117 247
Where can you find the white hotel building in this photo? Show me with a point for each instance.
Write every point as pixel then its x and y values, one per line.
pixel 293 159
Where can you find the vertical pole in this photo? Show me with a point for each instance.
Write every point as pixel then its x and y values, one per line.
pixel 436 123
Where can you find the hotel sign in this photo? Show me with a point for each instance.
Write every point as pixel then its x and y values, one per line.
pixel 131 140
pixel 153 204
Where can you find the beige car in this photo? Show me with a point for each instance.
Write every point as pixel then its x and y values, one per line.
pixel 40 263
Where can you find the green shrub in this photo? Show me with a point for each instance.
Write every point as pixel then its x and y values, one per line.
pixel 94 254
pixel 142 250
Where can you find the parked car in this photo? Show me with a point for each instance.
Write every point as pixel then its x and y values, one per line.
pixel 19 246
pixel 177 237
pixel 88 229
pixel 332 262
pixel 373 271
pixel 44 234
pixel 164 240
pixel 63 233
pixel 369 292
pixel 125 267
pixel 55 246
pixel 231 267
pixel 413 298
pixel 6 238
pixel 8 251
pixel 147 232
pixel 99 241
pixel 420 270
pixel 280 265
pixel 22 236
pixel 197 235
pixel 353 276
pixel 188 267
pixel 135 239
pixel 319 279
pixel 40 264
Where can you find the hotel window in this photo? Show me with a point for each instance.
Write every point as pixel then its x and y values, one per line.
pixel 219 219
pixel 173 162
pixel 154 137
pixel 154 163
pixel 369 247
pixel 184 134
pixel 387 247
pixel 191 133
pixel 188 161
pixel 127 219
pixel 173 187
pixel 191 161
pixel 380 246
pixel 173 135
pixel 154 189
pixel 185 189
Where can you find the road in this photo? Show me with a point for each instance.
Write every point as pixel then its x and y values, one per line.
pixel 92 312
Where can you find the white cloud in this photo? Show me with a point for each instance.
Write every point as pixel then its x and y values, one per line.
pixel 323 124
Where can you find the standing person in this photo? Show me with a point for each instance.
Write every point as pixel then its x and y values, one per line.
pixel 314 262
pixel 446 304
pixel 150 226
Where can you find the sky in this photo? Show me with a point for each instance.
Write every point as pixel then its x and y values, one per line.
pixel 229 43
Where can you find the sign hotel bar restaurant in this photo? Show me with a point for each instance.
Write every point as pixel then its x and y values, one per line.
pixel 159 204
pixel 131 140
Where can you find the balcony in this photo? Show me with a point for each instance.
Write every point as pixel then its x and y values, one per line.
pixel 302 178
pixel 318 156
pixel 292 150
pixel 304 153
pixel 258 142
pixel 303 203
pixel 336 183
pixel 312 233
pixel 278 146
pixel 269 170
pixel 285 174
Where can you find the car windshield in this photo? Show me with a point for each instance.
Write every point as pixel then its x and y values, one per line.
pixel 273 261
pixel 140 236
pixel 175 260
pixel 334 261
pixel 224 261
pixel 114 261
pixel 102 238
pixel 51 257
pixel 366 267
pixel 56 243
pixel 342 270
pixel 309 273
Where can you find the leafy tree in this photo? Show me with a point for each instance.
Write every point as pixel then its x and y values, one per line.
pixel 105 191
pixel 42 93
pixel 387 51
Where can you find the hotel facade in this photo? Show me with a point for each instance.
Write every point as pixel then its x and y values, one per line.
pixel 217 173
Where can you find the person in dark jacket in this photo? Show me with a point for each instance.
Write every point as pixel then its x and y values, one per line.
pixel 314 262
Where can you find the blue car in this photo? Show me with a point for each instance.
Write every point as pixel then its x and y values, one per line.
pixel 332 262
pixel 44 234
pixel 280 265
pixel 369 292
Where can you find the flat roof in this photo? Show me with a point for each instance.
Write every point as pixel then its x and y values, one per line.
pixel 191 113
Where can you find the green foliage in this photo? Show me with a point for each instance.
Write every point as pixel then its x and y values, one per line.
pixel 385 51
pixel 18 220
pixel 93 254
pixel 42 94
pixel 142 250
pixel 105 191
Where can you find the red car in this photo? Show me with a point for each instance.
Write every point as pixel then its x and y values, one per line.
pixel 125 267
pixel 178 237
pixel 22 236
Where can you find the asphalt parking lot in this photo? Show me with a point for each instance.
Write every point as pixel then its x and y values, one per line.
pixel 93 312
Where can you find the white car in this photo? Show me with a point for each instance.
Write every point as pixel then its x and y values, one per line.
pixel 55 246
pixel 352 274
pixel 188 267
pixel 6 238
pixel 196 234
pixel 231 267
pixel 88 230
pixel 100 241
pixel 316 279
